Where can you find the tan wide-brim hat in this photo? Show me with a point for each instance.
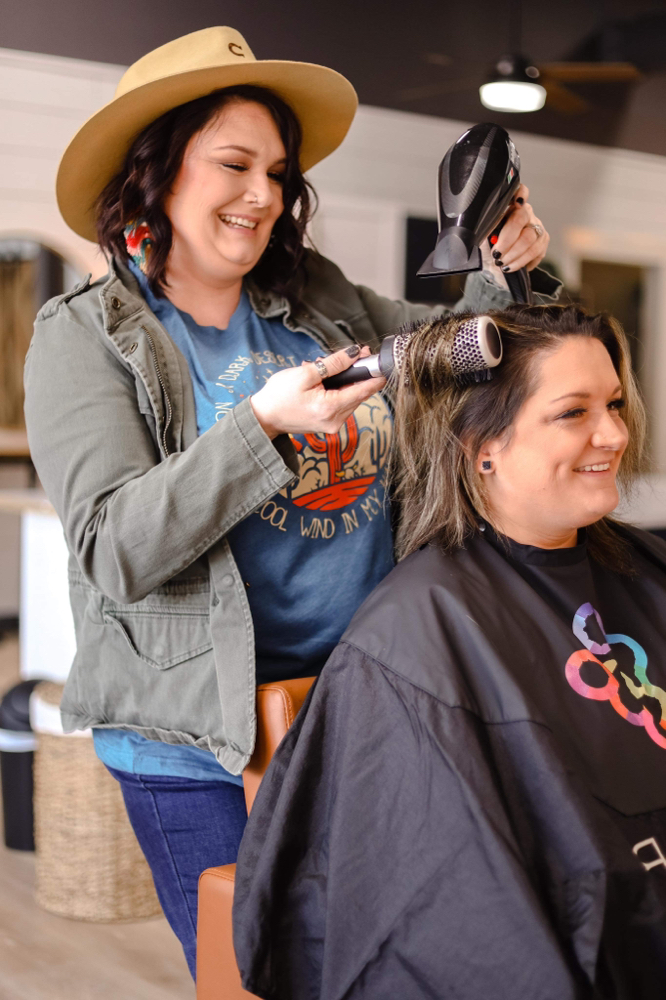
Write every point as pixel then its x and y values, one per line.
pixel 180 71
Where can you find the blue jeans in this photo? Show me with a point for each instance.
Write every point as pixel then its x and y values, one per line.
pixel 183 826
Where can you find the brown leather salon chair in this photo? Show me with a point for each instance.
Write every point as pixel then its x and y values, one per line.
pixel 218 977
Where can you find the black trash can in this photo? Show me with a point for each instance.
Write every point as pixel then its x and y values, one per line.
pixel 17 743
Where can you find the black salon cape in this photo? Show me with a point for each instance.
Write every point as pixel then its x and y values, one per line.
pixel 448 818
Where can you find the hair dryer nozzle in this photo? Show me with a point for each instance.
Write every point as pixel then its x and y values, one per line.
pixel 454 253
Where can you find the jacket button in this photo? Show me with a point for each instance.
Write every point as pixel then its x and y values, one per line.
pixel 227 580
pixel 115 302
pixel 133 348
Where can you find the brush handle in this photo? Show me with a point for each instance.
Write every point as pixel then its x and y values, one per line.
pixel 360 371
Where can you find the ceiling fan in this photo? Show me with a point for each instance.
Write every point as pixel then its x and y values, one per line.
pixel 517 84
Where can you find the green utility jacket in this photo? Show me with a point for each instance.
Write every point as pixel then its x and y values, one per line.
pixel 165 643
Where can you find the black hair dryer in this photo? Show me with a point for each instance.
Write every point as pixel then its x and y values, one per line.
pixel 478 179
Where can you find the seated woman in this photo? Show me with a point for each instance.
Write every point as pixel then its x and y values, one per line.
pixel 473 804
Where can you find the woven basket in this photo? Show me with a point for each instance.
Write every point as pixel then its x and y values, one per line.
pixel 89 865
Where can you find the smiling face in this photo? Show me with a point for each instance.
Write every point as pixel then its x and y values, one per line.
pixel 556 471
pixel 227 196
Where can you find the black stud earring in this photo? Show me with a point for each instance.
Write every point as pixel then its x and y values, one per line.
pixel 486 466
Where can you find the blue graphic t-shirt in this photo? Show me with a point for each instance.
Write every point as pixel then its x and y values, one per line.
pixel 312 553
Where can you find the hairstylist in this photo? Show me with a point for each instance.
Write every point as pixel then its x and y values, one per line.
pixel 224 513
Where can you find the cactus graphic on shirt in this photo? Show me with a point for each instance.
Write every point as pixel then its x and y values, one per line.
pixel 338 469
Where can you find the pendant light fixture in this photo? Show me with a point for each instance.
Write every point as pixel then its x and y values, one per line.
pixel 514 82
pixel 514 86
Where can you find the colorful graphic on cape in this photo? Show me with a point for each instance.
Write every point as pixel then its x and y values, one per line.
pixel 587 619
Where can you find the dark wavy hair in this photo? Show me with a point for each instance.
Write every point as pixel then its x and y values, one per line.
pixel 441 425
pixel 151 167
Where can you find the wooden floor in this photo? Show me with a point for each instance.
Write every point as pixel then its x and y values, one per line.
pixel 44 957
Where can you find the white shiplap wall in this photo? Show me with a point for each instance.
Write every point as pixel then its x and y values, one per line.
pixel 43 101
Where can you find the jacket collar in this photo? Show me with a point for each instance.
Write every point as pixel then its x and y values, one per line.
pixel 268 305
pixel 121 298
pixel 328 300
pixel 146 347
pixel 122 284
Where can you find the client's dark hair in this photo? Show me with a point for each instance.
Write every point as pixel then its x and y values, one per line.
pixel 442 425
pixel 150 169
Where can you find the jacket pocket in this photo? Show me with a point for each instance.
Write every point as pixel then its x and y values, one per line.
pixel 162 639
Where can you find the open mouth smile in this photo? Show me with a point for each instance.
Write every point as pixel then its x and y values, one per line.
pixel 594 468
pixel 238 222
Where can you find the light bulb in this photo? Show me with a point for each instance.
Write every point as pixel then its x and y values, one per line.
pixel 512 95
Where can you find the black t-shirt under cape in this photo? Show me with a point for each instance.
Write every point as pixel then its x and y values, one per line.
pixel 474 803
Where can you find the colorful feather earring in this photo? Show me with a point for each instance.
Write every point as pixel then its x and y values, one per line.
pixel 139 241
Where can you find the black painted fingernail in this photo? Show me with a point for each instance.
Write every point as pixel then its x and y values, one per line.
pixel 497 254
pixel 506 268
pixel 353 350
pixel 498 263
pixel 521 201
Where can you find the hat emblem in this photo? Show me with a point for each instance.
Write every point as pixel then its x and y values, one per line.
pixel 236 50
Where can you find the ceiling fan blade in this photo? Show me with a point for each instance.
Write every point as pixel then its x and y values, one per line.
pixel 436 89
pixel 591 72
pixel 559 98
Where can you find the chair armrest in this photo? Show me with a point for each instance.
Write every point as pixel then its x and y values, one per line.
pixel 218 977
pixel 277 706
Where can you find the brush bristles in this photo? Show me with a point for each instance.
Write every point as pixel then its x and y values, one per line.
pixel 472 378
